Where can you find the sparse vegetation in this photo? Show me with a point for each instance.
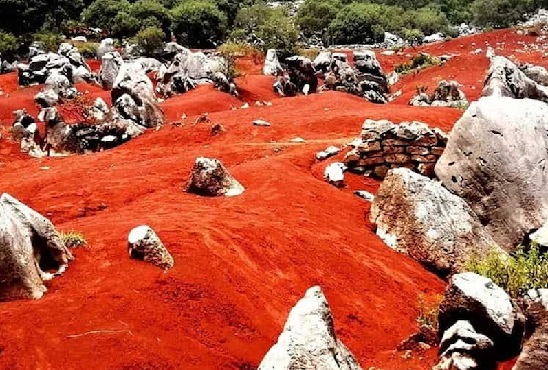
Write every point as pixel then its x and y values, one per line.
pixel 73 239
pixel 428 306
pixel 525 269
pixel 419 61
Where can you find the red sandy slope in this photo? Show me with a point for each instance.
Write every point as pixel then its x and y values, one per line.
pixel 241 263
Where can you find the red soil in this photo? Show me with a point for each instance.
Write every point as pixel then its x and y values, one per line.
pixel 240 263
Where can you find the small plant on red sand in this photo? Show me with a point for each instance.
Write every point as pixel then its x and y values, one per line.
pixel 73 239
pixel 421 89
pixel 428 306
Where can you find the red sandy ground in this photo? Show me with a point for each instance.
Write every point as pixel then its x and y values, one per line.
pixel 242 262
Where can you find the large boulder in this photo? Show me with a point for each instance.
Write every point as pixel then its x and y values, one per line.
pixel 536 73
pixel 209 177
pixel 418 216
pixel 31 251
pixel 487 307
pixel 271 63
pixel 505 79
pixel 308 340
pixel 110 66
pixel 133 96
pixel 496 160
pixel 144 244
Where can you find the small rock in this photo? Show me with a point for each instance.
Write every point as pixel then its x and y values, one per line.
pixel 260 122
pixel 334 174
pixel 144 244
pixel 328 152
pixel 365 195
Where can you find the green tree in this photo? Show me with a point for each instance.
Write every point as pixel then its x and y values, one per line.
pixel 102 13
pixel 199 23
pixel 8 45
pixel 364 23
pixel 124 25
pixel 152 13
pixel 315 15
pixel 150 39
pixel 27 16
pixel 500 13
pixel 273 26
pixel 428 21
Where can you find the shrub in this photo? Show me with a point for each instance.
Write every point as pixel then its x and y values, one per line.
pixel 50 40
pixel 150 39
pixel 428 306
pixel 152 13
pixel 500 13
pixel 309 53
pixel 526 269
pixel 125 25
pixel 102 13
pixel 359 23
pixel 8 45
pixel 199 23
pixel 273 26
pixel 88 49
pixel 73 239
pixel 315 15
pixel 418 61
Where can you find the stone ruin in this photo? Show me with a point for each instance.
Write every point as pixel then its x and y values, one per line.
pixel 447 94
pixel 385 145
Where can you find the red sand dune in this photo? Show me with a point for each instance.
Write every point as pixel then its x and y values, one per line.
pixel 240 263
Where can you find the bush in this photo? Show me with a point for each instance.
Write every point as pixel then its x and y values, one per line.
pixel 150 39
pixel 273 26
pixel 500 13
pixel 102 13
pixel 199 23
pixel 50 40
pixel 314 16
pixel 418 61
pixel 125 25
pixel 359 23
pixel 88 49
pixel 309 53
pixel 412 36
pixel 8 45
pixel 152 13
pixel 526 269
pixel 428 310
pixel 73 239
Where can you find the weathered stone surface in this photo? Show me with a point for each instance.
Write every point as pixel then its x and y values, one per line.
pixel 329 152
pixel 209 177
pixel 418 216
pixel 271 63
pixel 506 80
pixel 496 161
pixel 536 73
pixel 110 66
pixel 30 248
pixel 334 173
pixel 489 309
pixel 133 97
pixel 144 244
pixel 308 340
pixel 397 158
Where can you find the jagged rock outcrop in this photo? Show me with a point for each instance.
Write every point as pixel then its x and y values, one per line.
pixel 487 307
pixel 496 160
pixel 30 249
pixel 418 216
pixel 209 177
pixel 144 244
pixel 385 145
pixel 535 350
pixel 133 97
pixel 106 46
pixel 110 66
pixel 25 130
pixel 271 63
pixel 536 73
pixel 308 340
pixel 462 348
pixel 505 79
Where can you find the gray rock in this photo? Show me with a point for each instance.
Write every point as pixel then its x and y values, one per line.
pixel 106 46
pixel 30 248
pixel 308 340
pixel 418 216
pixel 110 66
pixel 210 178
pixel 487 307
pixel 328 152
pixel 536 73
pixel 144 244
pixel 505 79
pixel 271 63
pixel 334 173
pixel 260 122
pixel 496 161
pixel 133 97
